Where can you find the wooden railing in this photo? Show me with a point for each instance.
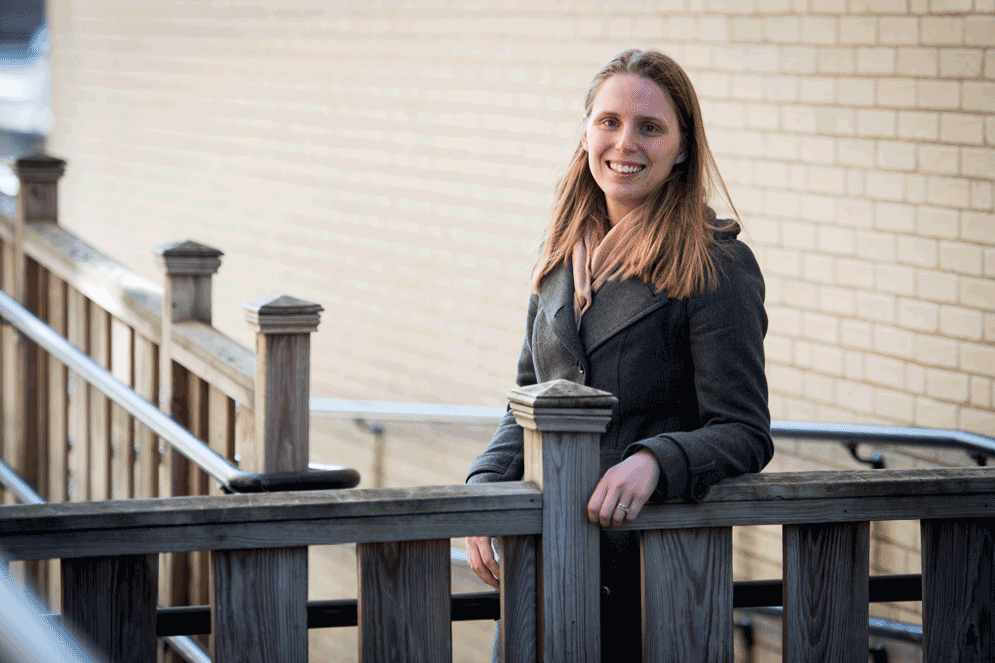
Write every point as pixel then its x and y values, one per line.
pixel 550 589
pixel 70 443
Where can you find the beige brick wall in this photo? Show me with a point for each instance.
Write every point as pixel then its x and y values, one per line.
pixel 393 161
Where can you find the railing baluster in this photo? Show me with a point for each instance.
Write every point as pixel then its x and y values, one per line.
pixel 687 595
pixel 519 606
pixel 111 601
pixel 78 326
pixel 146 443
pixel 122 427
pixel 826 568
pixel 404 602
pixel 100 408
pixel 958 590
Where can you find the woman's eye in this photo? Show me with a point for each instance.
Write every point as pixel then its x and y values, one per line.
pixel 650 128
pixel 611 123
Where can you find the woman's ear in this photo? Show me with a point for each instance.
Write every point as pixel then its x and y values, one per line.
pixel 583 134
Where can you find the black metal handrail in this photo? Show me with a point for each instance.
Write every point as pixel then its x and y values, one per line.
pixel 230 477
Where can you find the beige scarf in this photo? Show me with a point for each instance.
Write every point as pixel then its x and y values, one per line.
pixel 596 258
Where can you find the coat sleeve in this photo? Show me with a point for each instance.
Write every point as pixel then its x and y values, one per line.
pixel 726 331
pixel 504 457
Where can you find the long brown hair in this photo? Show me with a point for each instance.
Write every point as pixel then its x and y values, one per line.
pixel 673 251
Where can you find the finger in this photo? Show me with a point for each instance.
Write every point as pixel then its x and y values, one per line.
pixel 637 505
pixel 619 515
pixel 597 499
pixel 477 549
pixel 609 507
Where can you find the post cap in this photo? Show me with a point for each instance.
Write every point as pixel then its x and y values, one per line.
pixel 283 314
pixel 561 405
pixel 40 166
pixel 189 258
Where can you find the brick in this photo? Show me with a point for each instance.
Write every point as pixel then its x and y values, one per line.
pixel 855 334
pixel 990 63
pixel 858 152
pixel 990 262
pixel 893 341
pixel 936 351
pixel 886 186
pixel 817 208
pixel 897 279
pixel 876 245
pixel 785 380
pixel 878 6
pixel 990 130
pixel 977 358
pixel 937 222
pixel 915 189
pixel 915 379
pixel 941 30
pixel 819 388
pixel 899 30
pixel 816 150
pixel 894 217
pixel 950 6
pixel 854 395
pixel 961 258
pixel 853 365
pixel 712 28
pixel 947 385
pixel 858 273
pixel 876 123
pixel 836 60
pixel 934 414
pixel 978 162
pixel 961 322
pixel 977 420
pixel 919 62
pixel 796 235
pixel 918 125
pixel 894 404
pixel 876 307
pixel 835 240
pixel 939 159
pixel 783 29
pixel 979 96
pixel 827 360
pixel 835 121
pixel 801 119
pixel 854 30
pixel 981 195
pixel 747 87
pixel 938 94
pixel 885 371
pixel 977 227
pixel 781 203
pixel 762 59
pixel 781 88
pixel 747 29
pixel 980 30
pixel 855 182
pixel 937 286
pixel 838 300
pixel 818 268
pixel 918 251
pixel 960 63
pixel 981 392
pixel 855 92
pixel 816 89
pixel 977 292
pixel 819 30
pixel 918 315
pixel 826 180
pixel 950 191
pixel 896 155
pixel 878 60
pixel 896 93
pixel 773 6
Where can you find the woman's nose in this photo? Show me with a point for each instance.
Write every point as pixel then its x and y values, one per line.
pixel 625 140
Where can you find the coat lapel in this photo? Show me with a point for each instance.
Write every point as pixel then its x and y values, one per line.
pixel 556 298
pixel 617 305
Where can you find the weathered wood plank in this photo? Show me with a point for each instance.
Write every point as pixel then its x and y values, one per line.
pixel 78 424
pixel 245 435
pixel 121 423
pixel 58 409
pixel 35 401
pixel 220 428
pixel 404 602
pixel 826 570
pixel 218 359
pixel 146 443
pixel 687 595
pixel 281 400
pixel 10 364
pixel 111 602
pixel 958 596
pixel 260 606
pixel 519 599
pixel 100 408
pixel 199 592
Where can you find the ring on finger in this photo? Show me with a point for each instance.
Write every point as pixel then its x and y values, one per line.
pixel 623 509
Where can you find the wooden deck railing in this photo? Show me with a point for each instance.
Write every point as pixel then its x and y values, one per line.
pixel 550 592
pixel 69 442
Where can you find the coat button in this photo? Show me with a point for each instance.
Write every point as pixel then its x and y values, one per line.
pixel 580 369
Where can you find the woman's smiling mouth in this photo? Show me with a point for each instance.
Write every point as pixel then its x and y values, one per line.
pixel 625 169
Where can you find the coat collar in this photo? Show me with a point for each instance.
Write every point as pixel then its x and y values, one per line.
pixel 617 305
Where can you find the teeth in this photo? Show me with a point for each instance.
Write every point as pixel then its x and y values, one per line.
pixel 619 168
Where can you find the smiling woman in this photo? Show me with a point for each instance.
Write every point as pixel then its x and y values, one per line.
pixel 641 292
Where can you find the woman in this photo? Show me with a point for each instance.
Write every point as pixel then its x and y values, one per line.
pixel 641 292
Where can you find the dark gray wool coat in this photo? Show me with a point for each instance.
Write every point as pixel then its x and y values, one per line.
pixel 689 378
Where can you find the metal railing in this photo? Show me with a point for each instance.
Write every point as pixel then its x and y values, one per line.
pixel 230 477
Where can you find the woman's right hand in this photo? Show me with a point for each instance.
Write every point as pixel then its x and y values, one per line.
pixel 480 556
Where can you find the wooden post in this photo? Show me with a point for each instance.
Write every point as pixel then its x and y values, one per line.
pixel 274 613
pixel 826 570
pixel 563 422
pixel 28 450
pixel 111 602
pixel 187 284
pixel 958 590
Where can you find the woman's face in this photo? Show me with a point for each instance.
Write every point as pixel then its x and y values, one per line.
pixel 632 139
